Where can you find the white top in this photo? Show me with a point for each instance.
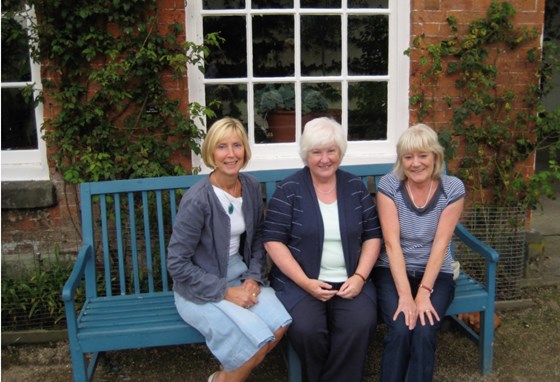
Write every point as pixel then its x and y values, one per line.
pixel 235 217
pixel 333 266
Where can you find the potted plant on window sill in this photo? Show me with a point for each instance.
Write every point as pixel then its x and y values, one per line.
pixel 277 105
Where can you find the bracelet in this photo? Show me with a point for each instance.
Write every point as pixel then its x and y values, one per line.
pixel 428 289
pixel 360 276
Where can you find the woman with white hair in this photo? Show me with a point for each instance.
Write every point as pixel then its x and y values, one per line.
pixel 322 233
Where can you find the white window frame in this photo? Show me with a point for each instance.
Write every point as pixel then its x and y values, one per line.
pixel 22 165
pixel 285 155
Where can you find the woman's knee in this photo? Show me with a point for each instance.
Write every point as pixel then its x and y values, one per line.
pixel 398 332
pixel 426 334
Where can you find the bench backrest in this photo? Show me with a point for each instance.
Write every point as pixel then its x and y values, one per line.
pixel 129 222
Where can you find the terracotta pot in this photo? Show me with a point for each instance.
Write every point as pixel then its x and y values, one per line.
pixel 282 123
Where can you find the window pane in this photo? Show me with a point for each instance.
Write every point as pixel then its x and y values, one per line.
pixel 273 46
pixel 279 4
pixel 231 101
pixel 320 3
pixel 275 113
pixel 367 114
pixel 15 52
pixel 321 100
pixel 230 60
pixel 368 3
pixel 19 130
pixel 223 4
pixel 368 45
pixel 320 45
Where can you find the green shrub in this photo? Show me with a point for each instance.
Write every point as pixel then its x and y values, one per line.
pixel 32 299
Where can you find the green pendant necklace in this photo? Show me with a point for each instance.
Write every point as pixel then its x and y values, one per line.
pixel 230 208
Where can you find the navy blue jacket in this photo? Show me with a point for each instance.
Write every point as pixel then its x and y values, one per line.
pixel 294 218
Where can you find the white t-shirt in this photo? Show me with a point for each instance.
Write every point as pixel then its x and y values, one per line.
pixel 333 265
pixel 232 206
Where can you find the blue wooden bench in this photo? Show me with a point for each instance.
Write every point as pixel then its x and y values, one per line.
pixel 119 295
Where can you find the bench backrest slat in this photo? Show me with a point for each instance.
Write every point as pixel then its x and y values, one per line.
pixel 129 223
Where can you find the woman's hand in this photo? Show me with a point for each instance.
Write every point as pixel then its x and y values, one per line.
pixel 351 287
pixel 239 295
pixel 320 290
pixel 252 287
pixel 425 308
pixel 408 308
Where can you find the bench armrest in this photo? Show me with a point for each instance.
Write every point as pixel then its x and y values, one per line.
pixel 69 290
pixel 489 253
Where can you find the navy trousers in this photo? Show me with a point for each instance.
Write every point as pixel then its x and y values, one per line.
pixel 409 355
pixel 332 338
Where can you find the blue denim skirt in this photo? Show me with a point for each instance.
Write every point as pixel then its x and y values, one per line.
pixel 235 334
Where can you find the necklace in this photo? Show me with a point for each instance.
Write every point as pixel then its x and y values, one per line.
pixel 230 207
pixel 412 196
pixel 325 192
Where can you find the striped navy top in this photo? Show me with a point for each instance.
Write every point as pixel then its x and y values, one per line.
pixel 418 225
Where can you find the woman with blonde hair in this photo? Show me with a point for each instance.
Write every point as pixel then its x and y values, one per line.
pixel 217 260
pixel 419 208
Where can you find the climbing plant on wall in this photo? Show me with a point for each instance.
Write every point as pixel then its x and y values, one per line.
pixel 495 126
pixel 112 78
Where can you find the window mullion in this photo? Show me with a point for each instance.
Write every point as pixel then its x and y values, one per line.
pixel 250 76
pixel 344 68
pixel 297 67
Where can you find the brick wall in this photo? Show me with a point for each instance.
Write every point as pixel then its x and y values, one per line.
pixel 31 231
pixel 429 21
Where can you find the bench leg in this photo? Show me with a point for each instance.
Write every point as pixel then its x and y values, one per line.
pixel 294 364
pixel 79 369
pixel 486 340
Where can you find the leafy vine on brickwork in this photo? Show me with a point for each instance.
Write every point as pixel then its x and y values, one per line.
pixel 498 127
pixel 109 67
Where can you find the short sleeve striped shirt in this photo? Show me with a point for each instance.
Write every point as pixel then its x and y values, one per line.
pixel 418 225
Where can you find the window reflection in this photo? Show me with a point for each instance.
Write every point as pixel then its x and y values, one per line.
pixel 320 45
pixel 230 59
pixel 367 114
pixel 15 52
pixel 320 3
pixel 368 3
pixel 273 46
pixel 19 128
pixel 19 131
pixel 230 101
pixel 368 45
pixel 260 4
pixel 223 4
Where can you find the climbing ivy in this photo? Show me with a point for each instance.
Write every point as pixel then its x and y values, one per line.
pixel 494 128
pixel 109 66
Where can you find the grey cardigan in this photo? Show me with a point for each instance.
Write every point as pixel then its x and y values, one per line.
pixel 198 250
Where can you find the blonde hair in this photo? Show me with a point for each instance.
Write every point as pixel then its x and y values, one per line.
pixel 423 138
pixel 322 131
pixel 217 133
